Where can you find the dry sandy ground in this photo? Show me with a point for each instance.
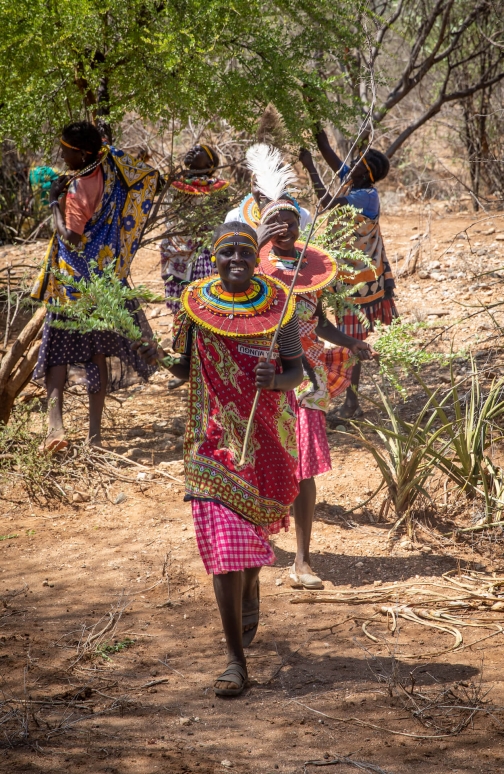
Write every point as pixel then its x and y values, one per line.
pixel 146 704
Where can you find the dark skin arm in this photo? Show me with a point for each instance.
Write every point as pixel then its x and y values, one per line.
pixel 330 156
pixel 152 354
pixel 328 202
pixel 266 378
pixel 57 188
pixel 327 331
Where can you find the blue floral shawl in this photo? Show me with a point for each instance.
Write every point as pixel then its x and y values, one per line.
pixel 111 235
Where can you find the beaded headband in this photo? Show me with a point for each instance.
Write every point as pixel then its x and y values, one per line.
pixel 234 240
pixel 364 161
pixel 67 145
pixel 279 206
pixel 210 155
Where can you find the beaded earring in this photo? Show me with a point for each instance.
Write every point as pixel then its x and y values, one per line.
pixel 212 258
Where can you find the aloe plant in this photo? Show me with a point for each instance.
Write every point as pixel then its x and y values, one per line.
pixel 406 457
pixel 409 452
pixel 464 459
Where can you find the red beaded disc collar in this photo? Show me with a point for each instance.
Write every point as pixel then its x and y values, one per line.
pixel 319 269
pixel 253 313
pixel 200 186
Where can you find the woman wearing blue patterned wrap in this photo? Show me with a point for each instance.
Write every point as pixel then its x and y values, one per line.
pixel 108 196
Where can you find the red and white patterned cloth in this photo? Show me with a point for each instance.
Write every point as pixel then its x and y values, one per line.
pixel 229 543
pixel 384 311
pixel 314 456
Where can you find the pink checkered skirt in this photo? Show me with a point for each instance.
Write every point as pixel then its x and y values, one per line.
pixel 227 542
pixel 314 456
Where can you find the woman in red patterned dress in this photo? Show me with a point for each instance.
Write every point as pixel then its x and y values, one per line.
pixel 223 334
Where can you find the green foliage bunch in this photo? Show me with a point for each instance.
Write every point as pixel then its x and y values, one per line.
pixel 401 351
pixel 169 60
pixel 105 648
pixel 336 236
pixel 101 304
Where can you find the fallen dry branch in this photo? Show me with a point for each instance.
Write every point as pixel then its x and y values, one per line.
pixel 466 593
pixel 447 710
pixel 441 620
pixel 98 455
pixel 348 762
pixel 466 590
pixel 367 724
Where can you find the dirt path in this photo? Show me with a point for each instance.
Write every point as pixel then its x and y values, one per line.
pixel 144 702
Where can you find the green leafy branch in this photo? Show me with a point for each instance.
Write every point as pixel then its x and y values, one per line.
pixel 116 647
pixel 399 346
pixel 100 303
pixel 337 237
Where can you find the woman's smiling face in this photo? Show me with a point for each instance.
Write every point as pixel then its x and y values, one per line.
pixel 236 266
pixel 286 240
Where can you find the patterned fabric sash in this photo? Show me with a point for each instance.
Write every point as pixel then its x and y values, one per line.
pixel 368 238
pixel 313 391
pixel 111 235
pixel 221 393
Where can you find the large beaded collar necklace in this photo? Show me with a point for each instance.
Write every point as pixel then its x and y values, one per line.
pixel 318 270
pixel 199 186
pixel 286 262
pixel 251 312
pixel 257 299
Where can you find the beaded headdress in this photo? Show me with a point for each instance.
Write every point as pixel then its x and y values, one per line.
pixel 280 205
pixel 73 147
pixel 272 178
pixel 235 238
pixel 365 162
pixel 212 156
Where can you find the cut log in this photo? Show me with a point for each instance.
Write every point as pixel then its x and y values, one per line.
pixel 19 347
pixel 17 367
pixel 411 260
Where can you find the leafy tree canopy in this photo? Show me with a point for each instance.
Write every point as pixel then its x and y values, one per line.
pixel 171 59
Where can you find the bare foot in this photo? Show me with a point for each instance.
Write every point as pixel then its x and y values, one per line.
pixel 94 440
pixel 54 441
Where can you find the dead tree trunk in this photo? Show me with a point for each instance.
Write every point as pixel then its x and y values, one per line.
pixel 18 363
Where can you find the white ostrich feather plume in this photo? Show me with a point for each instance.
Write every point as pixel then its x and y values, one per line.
pixel 272 176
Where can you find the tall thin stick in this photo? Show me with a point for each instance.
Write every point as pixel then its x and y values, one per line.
pixel 8 322
pixel 275 337
pixel 367 122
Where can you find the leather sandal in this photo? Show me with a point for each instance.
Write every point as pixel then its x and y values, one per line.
pixel 55 445
pixel 236 675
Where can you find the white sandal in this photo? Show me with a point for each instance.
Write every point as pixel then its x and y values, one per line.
pixel 304 581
